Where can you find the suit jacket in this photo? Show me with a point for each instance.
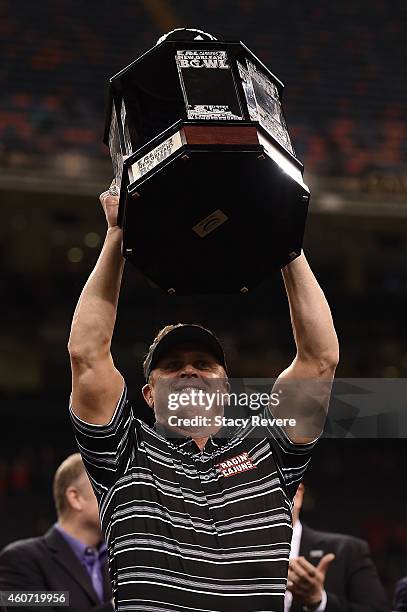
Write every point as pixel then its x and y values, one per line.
pixel 48 563
pixel 352 583
pixel 400 596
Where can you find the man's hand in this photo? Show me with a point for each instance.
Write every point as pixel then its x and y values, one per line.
pixel 110 204
pixel 305 581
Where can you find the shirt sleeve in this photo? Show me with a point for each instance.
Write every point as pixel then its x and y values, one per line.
pixel 106 449
pixel 324 601
pixel 291 459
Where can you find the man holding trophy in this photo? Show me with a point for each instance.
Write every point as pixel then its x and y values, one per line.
pixel 197 514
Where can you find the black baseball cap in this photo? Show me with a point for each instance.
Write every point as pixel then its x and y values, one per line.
pixel 181 334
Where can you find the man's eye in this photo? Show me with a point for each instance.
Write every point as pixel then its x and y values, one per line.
pixel 202 364
pixel 172 365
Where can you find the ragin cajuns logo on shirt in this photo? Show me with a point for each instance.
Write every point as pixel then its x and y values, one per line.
pixel 235 465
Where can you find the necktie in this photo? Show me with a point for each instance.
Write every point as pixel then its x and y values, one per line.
pixel 93 568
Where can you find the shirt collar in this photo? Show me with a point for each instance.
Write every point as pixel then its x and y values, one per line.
pixel 220 438
pixel 175 438
pixel 296 539
pixel 77 546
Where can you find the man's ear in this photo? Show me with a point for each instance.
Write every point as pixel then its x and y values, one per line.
pixel 148 395
pixel 72 495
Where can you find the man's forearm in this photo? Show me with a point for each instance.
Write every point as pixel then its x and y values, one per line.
pixel 311 319
pixel 95 314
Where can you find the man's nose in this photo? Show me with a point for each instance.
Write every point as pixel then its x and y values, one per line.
pixel 188 370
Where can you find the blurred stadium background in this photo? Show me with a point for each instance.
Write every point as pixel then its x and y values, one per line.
pixel 345 103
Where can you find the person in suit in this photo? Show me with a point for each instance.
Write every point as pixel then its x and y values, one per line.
pixel 71 556
pixel 330 572
pixel 400 596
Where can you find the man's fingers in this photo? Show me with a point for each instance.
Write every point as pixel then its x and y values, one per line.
pixel 110 204
pixel 106 198
pixel 290 583
pixel 295 587
pixel 307 566
pixel 297 567
pixel 103 196
pixel 112 191
pixel 321 567
pixel 325 562
pixel 114 188
pixel 296 579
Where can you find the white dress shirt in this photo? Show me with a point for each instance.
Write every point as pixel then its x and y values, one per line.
pixel 295 552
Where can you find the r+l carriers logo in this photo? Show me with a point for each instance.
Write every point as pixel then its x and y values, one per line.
pixel 202 59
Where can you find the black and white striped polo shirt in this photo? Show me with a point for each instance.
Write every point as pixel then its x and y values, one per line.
pixel 191 530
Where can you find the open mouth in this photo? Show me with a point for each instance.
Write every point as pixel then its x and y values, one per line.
pixel 189 389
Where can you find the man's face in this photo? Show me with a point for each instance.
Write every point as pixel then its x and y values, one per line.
pixel 89 515
pixel 188 381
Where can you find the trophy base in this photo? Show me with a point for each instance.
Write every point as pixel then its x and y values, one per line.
pixel 213 220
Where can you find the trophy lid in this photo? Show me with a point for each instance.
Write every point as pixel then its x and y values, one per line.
pixel 185 34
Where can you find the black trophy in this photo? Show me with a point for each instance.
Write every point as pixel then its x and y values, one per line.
pixel 212 197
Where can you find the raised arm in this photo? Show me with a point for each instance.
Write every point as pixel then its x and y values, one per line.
pixel 305 386
pixel 96 383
